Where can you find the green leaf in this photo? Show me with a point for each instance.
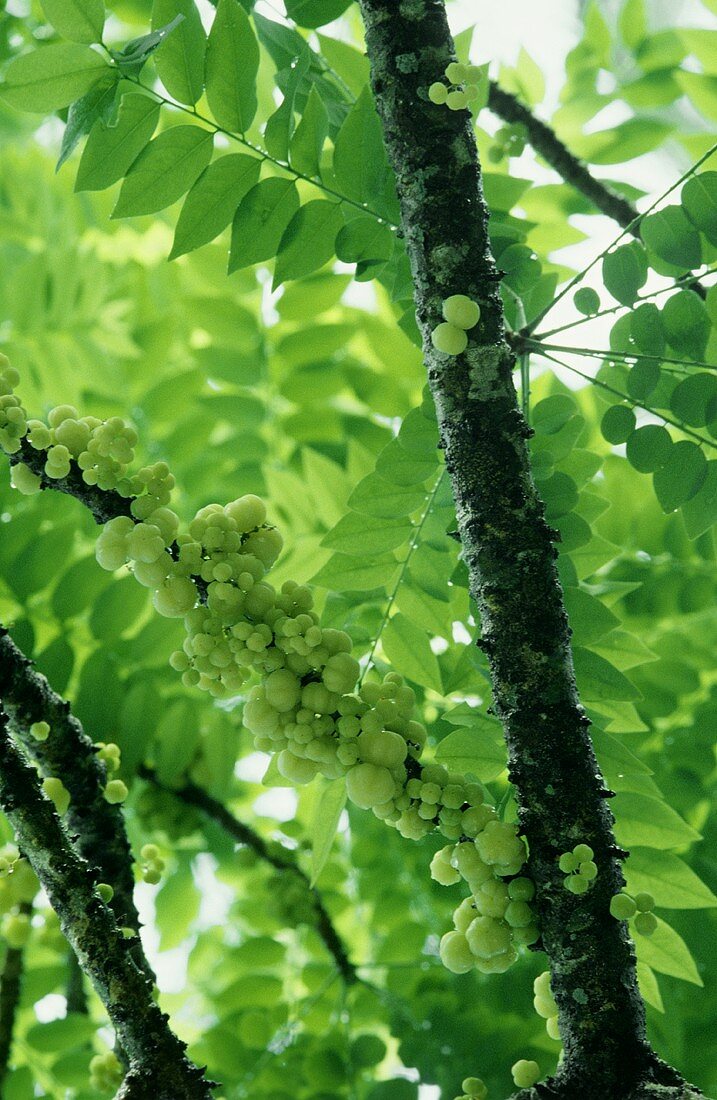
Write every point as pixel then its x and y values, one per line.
pixel 375 496
pixel 315 13
pixel 77 20
pixel 231 68
pixel 402 468
pixel 180 57
pixel 164 171
pixel 307 243
pixel 110 150
pixel 479 747
pixel 646 329
pixel 686 323
pixel 633 23
pixel 344 573
pixel 624 271
pixel 117 608
pixel 589 618
pixel 682 477
pixel 598 679
pixel 308 140
pixel 98 104
pixel 51 77
pixel 213 200
pixel 700 512
pixel 649 448
pixel 408 649
pixel 649 988
pixel 260 221
pixel 671 882
pixel 666 952
pixel 177 739
pixel 361 535
pixel 132 58
pixel 694 400
pixel 280 125
pixel 78 588
pixel 68 1033
pixel 364 238
pixel 699 200
pixel 649 822
pixel 672 237
pixel 325 822
pixel 701 89
pixel 177 904
pixel 618 423
pixel 359 155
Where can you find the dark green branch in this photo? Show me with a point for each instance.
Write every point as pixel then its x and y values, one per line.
pixel 69 754
pixel 508 549
pixel 278 857
pixel 75 993
pixel 10 990
pixel 548 145
pixel 158 1066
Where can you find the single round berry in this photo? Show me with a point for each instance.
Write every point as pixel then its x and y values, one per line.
pixel 525 1073
pixel 475 1088
pixel 116 792
pixel 455 953
pixel 456 101
pixel 588 870
pixel 105 891
pixel 456 72
pixel 449 339
pixel 576 884
pixel 622 907
pixel 568 863
pixel 40 731
pixel 461 311
pixel 437 93
pixel 645 923
pixel 583 852
pixel 645 902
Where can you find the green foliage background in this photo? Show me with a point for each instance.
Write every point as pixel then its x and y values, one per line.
pixel 291 378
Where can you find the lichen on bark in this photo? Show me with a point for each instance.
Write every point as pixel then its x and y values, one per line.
pixel 510 553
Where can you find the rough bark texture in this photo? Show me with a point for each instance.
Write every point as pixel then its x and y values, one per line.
pixel 275 855
pixel 70 755
pixel 10 990
pixel 104 504
pixel 159 1068
pixel 509 550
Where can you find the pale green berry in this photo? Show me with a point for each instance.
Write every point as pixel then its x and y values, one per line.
pixel 456 101
pixel 588 870
pixel 437 92
pixel 455 953
pixel 57 792
pixel 622 907
pixel 645 923
pixel 568 863
pixel 105 891
pixel 456 72
pixel 525 1073
pixel 583 852
pixel 474 74
pixel 461 311
pixel 449 339
pixel 369 785
pixel 645 902
pixel 521 889
pixel 40 731
pixel 475 1088
pixel 24 480
pixel 552 1027
pixel 577 885
pixel 116 792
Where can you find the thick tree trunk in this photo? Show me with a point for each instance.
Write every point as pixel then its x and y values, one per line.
pixel 509 550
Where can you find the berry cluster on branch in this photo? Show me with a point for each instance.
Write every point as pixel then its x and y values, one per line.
pixel 305 709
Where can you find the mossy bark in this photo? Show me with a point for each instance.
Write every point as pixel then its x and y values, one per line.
pixel 158 1066
pixel 510 553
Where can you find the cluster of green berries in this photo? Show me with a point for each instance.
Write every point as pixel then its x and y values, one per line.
pixel 460 314
pixel 461 90
pixel 152 864
pixel 115 791
pixel 525 1073
pixel 496 918
pixel 473 1089
pixel 13 420
pixel 106 1072
pixel 544 1004
pixel 624 906
pixel 18 886
pixel 509 141
pixel 579 868
pixel 305 709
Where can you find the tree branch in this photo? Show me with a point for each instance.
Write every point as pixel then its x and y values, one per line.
pixel 278 857
pixel 509 552
pixel 10 990
pixel 97 827
pixel 159 1068
pixel 546 142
